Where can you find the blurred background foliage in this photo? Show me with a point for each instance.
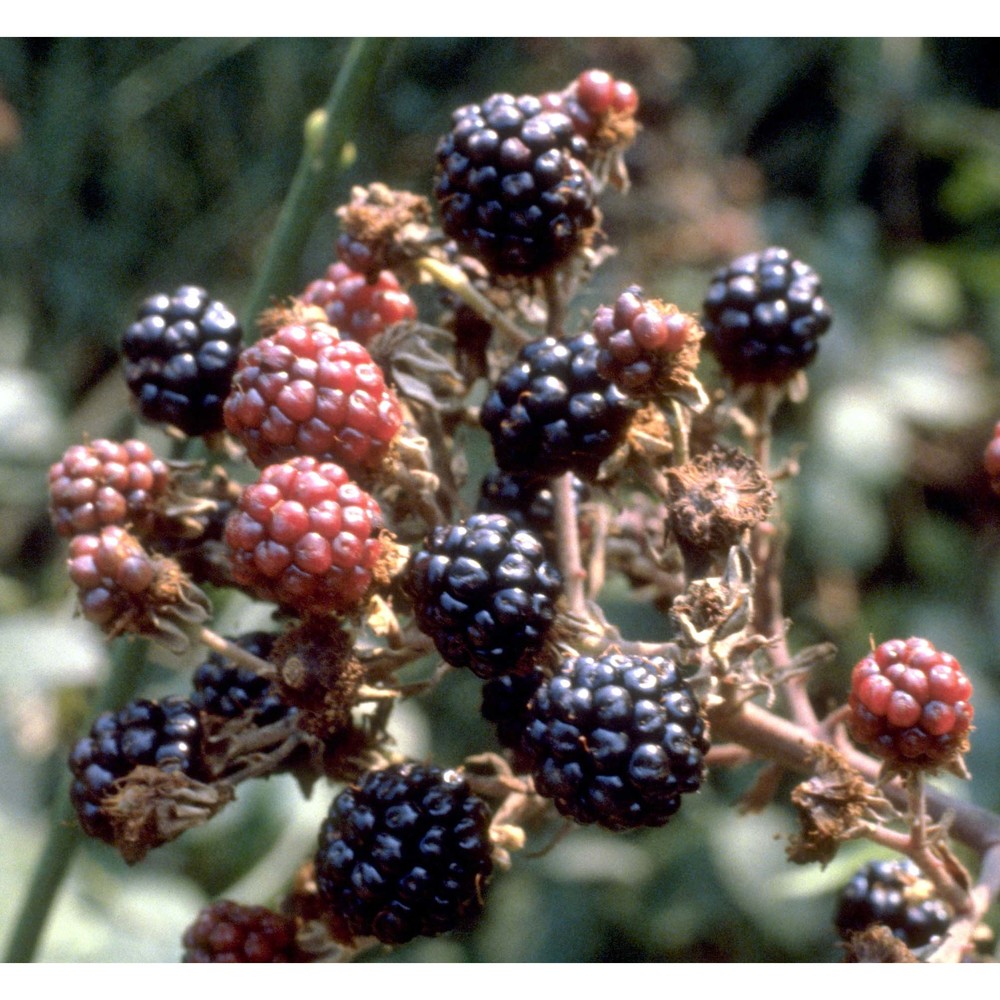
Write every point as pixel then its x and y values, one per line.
pixel 128 166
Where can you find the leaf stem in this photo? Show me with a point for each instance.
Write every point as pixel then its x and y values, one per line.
pixel 318 167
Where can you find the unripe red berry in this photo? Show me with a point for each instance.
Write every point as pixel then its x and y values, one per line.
pixel 306 536
pixel 910 704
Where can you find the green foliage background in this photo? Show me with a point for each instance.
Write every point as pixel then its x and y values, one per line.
pixel 128 166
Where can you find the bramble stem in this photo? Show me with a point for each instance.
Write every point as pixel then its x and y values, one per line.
pixel 318 168
pixel 240 656
pixel 568 541
pixel 457 282
pixel 776 738
pixel 64 833
pixel 556 303
pixel 768 559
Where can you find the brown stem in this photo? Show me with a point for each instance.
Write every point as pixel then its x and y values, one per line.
pixel 776 738
pixel 568 540
pixel 556 303
pixel 237 654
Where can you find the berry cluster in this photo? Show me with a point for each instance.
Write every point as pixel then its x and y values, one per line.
pixel 344 462
pixel 230 932
pixel 512 186
pixel 552 411
pixel 306 536
pixel 764 315
pixel 106 483
pixel 641 342
pixel 484 591
pixel 616 740
pixel 165 734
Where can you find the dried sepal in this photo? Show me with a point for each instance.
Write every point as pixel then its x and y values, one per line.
pixel 716 497
pixel 318 674
pixel 416 359
pixel 150 807
pixel 877 944
pixel 383 229
pixel 832 807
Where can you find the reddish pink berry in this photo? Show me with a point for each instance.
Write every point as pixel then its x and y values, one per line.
pixel 306 536
pixel 358 309
pixel 231 932
pixel 910 703
pixel 640 341
pixel 106 483
pixel 305 391
pixel 991 459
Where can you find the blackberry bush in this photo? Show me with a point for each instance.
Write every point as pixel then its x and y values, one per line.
pixel 611 591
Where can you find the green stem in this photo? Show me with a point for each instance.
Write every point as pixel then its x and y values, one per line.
pixel 318 167
pixel 65 835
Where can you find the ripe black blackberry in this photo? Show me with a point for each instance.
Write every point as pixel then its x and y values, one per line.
pixel 405 852
pixel 764 315
pixel 893 893
pixel 552 412
pixel 164 734
pixel 512 187
pixel 616 740
pixel 180 355
pixel 228 691
pixel 505 704
pixel 527 500
pixel 485 593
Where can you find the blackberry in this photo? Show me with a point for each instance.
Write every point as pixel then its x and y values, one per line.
pixel 646 346
pixel 305 391
pixel 551 411
pixel 485 593
pixel 405 852
pixel 106 483
pixel 164 734
pixel 306 536
pixel 599 106
pixel 359 309
pixel 512 186
pixel 233 932
pixel 505 704
pixel 525 499
pixel 910 704
pixel 616 740
pixel 229 691
pixel 764 316
pixel 893 893
pixel 180 355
